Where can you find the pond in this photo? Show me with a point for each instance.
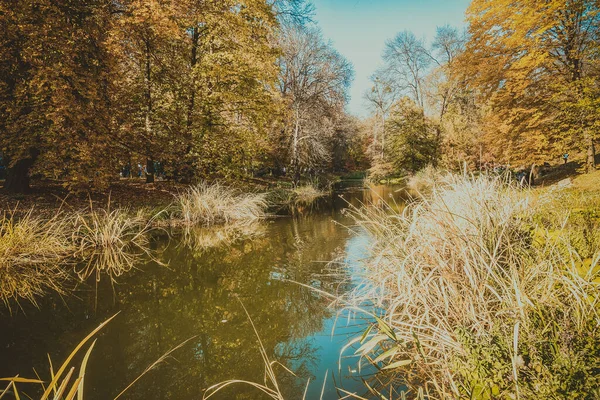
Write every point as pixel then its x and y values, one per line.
pixel 197 290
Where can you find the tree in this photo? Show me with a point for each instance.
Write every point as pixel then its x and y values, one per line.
pixel 452 104
pixel 314 81
pixel 537 63
pixel 297 12
pixel 86 87
pixel 236 80
pixel 198 83
pixel 381 97
pixel 424 74
pixel 443 84
pixel 412 137
pixel 407 61
pixel 54 92
pixel 349 146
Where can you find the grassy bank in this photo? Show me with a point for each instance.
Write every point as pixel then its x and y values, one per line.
pixel 488 291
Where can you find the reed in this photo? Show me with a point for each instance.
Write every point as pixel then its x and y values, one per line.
pixel 479 299
pixel 67 384
pixel 213 204
pixel 306 194
pixel 424 180
pixel 33 251
pixel 109 241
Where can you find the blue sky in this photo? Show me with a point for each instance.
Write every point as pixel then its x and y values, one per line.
pixel 359 29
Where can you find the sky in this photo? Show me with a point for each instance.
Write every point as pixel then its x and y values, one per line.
pixel 358 29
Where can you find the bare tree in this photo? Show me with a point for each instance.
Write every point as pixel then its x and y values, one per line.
pixel 381 98
pixel 314 80
pixel 422 73
pixel 448 44
pixel 297 12
pixel 441 86
pixel 407 62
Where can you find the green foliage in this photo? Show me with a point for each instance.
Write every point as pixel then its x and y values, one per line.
pixel 412 137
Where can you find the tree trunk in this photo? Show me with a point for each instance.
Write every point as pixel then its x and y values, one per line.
pixel 295 160
pixel 185 170
pixel 17 179
pixel 382 136
pixel 591 156
pixel 149 170
pixel 192 100
pixel 148 116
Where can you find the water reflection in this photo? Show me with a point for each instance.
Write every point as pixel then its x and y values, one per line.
pixel 197 296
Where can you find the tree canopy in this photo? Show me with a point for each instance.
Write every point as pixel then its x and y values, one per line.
pixel 536 62
pixel 519 87
pixel 196 88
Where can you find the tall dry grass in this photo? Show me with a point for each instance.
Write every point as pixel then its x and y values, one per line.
pixel 479 300
pixel 213 204
pixel 32 253
pixel 67 382
pixel 424 180
pixel 37 253
pixel 109 241
pixel 306 194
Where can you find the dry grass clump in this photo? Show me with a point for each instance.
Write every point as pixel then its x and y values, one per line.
pixel 306 194
pixel 36 253
pixel 474 304
pixel 32 250
pixel 214 204
pixel 110 241
pixel 424 180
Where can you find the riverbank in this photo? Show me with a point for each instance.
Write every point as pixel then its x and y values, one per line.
pixel 44 236
pixel 488 290
pixel 47 196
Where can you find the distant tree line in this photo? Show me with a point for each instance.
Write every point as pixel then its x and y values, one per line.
pixel 520 86
pixel 203 88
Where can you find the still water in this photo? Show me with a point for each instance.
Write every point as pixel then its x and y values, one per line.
pixel 197 292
